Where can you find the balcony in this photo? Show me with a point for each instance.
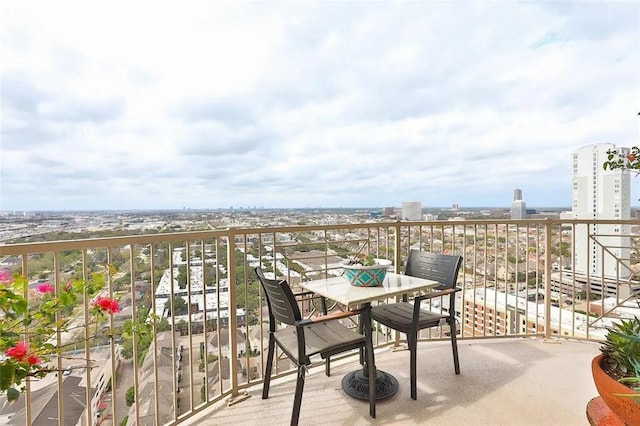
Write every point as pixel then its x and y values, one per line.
pixel 503 381
pixel 536 298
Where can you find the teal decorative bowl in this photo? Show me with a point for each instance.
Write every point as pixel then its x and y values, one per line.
pixel 366 276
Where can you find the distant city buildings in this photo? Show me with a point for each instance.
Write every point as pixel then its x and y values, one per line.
pixel 518 206
pixel 600 194
pixel 411 210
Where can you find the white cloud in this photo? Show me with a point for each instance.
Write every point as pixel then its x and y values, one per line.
pixel 214 104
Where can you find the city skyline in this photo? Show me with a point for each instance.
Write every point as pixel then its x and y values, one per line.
pixel 309 105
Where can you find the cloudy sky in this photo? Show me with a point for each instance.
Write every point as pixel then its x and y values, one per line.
pixel 145 105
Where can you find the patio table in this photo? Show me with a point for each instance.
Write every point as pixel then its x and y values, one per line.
pixel 356 383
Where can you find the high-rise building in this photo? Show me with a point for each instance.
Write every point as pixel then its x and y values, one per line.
pixel 600 194
pixel 411 210
pixel 518 206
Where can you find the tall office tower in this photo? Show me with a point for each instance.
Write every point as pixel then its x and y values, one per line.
pixel 600 194
pixel 518 207
pixel 411 210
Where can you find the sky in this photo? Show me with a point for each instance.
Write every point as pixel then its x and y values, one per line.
pixel 204 105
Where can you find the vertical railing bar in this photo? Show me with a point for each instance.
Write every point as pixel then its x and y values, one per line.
pixel 397 255
pixel 573 278
pixel 484 279
pixel 558 226
pixel 516 285
pixel 156 366
pixel 172 295
pixel 495 279
pixel 573 286
pixel 261 299
pixel 60 344
pixel 485 329
pixel 25 272
pixel 87 336
pixel 536 323
pixel 247 343
pixel 397 248
pixel 204 353
pixel 233 321
pixel 108 282
pixel 326 257
pixel 218 316
pixel 190 322
pixel 132 290
pixel 547 274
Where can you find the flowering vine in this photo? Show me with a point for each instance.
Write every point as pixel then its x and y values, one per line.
pixel 25 332
pixel 617 161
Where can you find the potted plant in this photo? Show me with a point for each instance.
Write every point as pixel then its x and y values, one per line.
pixel 365 270
pixel 616 371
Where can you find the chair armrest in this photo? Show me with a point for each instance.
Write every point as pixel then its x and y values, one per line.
pixel 330 317
pixel 440 293
pixel 305 293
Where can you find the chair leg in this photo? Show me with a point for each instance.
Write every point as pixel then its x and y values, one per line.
pixel 268 368
pixel 412 342
pixel 298 397
pixel 454 346
pixel 327 366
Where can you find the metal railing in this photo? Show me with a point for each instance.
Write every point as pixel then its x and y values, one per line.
pixel 198 291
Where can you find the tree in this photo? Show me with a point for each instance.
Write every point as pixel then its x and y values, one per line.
pixel 179 306
pixel 182 277
pixel 130 396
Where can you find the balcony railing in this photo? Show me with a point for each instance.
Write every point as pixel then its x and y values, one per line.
pixel 198 291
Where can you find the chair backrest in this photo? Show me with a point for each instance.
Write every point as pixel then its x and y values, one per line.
pixel 434 266
pixel 280 299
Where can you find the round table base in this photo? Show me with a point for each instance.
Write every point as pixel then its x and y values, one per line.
pixel 356 384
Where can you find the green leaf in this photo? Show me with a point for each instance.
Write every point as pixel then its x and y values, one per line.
pixel 7 375
pixel 13 394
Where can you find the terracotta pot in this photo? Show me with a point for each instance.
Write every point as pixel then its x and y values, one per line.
pixel 627 409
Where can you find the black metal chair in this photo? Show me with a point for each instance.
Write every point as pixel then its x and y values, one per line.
pixel 409 318
pixel 304 338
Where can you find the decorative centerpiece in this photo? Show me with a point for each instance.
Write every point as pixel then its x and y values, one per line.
pixel 365 271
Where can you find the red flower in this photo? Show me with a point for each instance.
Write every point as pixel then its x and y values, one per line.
pixel 19 351
pixel 33 359
pixel 631 158
pixel 5 276
pixel 46 288
pixel 107 304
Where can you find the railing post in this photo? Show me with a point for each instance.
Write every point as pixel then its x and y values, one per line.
pixel 233 319
pixel 397 247
pixel 547 278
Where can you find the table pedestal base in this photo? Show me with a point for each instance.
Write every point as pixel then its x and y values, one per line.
pixel 356 384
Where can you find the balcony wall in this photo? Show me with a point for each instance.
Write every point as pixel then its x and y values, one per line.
pixel 519 280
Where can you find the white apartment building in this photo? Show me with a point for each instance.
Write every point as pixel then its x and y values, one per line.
pixel 411 210
pixel 600 194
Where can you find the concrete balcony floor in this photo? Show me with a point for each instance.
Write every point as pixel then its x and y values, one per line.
pixel 502 382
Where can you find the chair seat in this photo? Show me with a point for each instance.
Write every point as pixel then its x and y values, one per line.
pixel 326 338
pixel 399 316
